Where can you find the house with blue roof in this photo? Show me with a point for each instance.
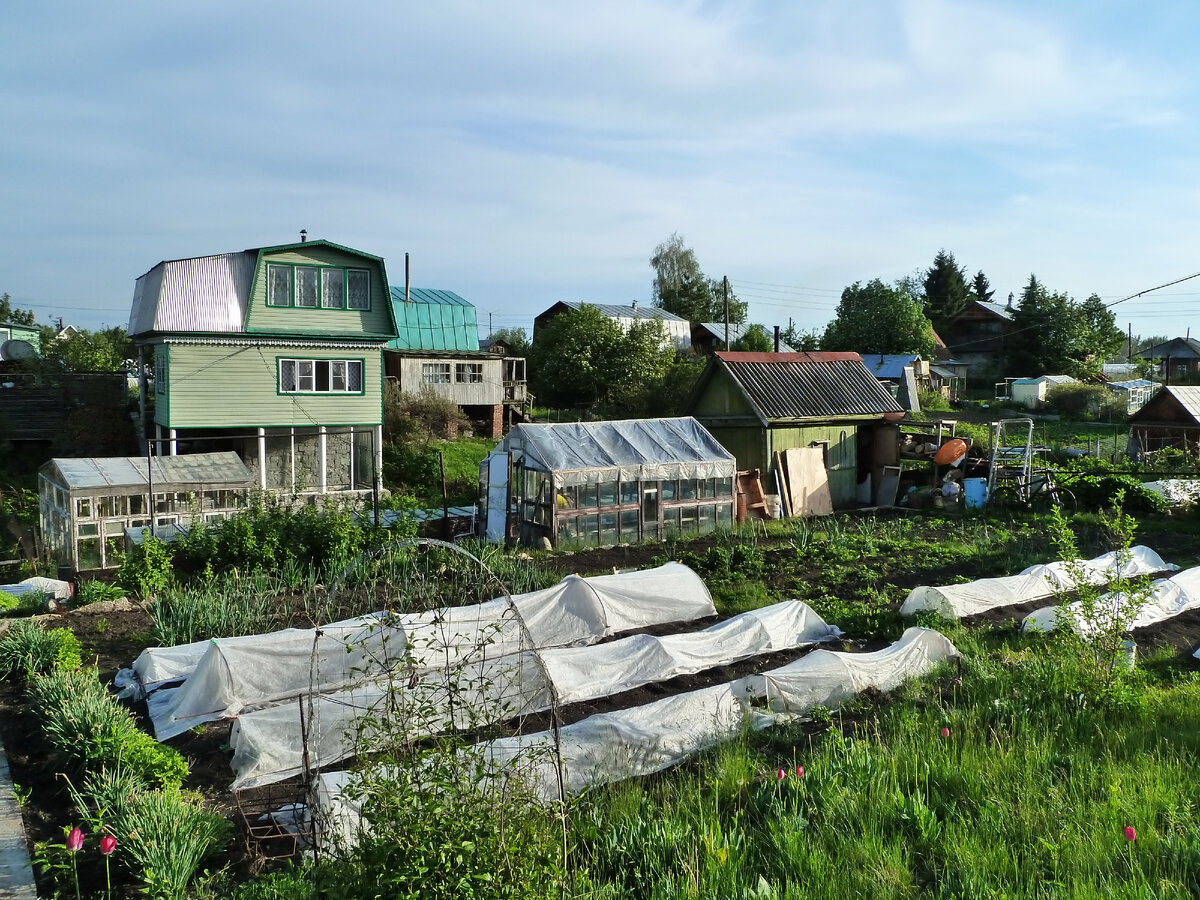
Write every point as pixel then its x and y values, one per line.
pixel 436 349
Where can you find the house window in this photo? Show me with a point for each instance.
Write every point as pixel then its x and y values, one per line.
pixel 435 373
pixel 160 371
pixel 320 376
pixel 468 373
pixel 313 287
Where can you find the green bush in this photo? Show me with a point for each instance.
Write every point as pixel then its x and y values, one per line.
pixel 1096 489
pixel 86 725
pixel 146 569
pixel 27 649
pixel 1086 401
pixel 168 837
pixel 97 591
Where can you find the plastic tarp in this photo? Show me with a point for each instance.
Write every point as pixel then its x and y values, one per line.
pixel 630 450
pixel 1176 491
pixel 645 739
pixel 1168 598
pixel 1038 582
pixel 267 745
pixel 236 674
pixel 51 587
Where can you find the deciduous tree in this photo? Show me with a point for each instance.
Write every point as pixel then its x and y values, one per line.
pixel 9 313
pixel 876 318
pixel 682 288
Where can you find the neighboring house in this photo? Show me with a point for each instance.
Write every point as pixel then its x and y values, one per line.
pixel 977 336
pixel 437 349
pixel 757 404
pixel 890 368
pixel 677 332
pixel 1137 393
pixel 19 342
pixel 708 337
pixel 1171 418
pixel 1178 358
pixel 1031 392
pixel 275 354
pixel 495 345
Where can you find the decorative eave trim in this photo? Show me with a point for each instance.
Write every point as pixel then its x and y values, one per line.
pixel 256 340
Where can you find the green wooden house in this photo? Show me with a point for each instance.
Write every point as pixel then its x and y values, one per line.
pixel 274 353
pixel 758 404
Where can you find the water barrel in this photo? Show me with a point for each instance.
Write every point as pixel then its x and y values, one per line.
pixel 974 492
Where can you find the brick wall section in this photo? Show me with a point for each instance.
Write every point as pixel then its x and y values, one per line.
pixel 497 421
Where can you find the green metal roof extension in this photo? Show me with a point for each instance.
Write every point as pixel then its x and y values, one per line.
pixel 433 320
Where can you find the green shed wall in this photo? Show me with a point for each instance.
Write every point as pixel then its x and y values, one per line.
pixel 238 387
pixel 30 334
pixel 340 322
pixel 842 459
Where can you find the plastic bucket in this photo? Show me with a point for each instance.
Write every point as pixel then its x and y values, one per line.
pixel 974 492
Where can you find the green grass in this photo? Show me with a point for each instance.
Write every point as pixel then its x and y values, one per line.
pixel 1027 797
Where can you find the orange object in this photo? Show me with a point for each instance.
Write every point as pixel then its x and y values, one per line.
pixel 951 452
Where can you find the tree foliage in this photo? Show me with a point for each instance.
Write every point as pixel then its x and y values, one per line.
pixel 1056 335
pixel 981 288
pixel 754 340
pixel 803 340
pixel 583 358
pixel 88 351
pixel 10 313
pixel 876 318
pixel 516 338
pixel 682 288
pixel 945 289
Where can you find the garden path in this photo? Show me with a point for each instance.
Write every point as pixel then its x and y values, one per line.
pixel 16 872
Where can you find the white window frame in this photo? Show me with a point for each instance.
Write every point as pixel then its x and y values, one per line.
pixel 436 373
pixel 321 376
pixel 468 373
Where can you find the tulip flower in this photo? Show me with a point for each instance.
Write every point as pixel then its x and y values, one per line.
pixel 799 771
pixel 945 732
pixel 75 840
pixel 1130 833
pixel 781 774
pixel 108 844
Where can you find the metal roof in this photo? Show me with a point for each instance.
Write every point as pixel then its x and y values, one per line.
pixel 205 293
pixel 717 331
pixel 1188 397
pixel 1131 385
pixel 223 469
pixel 433 320
pixel 1176 348
pixel 617 311
pixel 809 385
pixel 888 365
pixel 999 309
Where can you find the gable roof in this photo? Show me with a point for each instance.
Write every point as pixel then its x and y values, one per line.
pixel 998 309
pixel 888 365
pixel 1176 348
pixel 1186 396
pixel 216 468
pixel 716 332
pixel 641 449
pixel 804 386
pixel 618 311
pixel 433 320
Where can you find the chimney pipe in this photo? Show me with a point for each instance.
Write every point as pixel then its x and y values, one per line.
pixel 407 280
pixel 1010 299
pixel 303 235
pixel 776 338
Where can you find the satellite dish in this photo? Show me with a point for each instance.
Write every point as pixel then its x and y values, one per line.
pixel 15 349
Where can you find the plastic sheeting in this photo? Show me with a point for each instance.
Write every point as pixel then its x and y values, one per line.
pixel 267 745
pixel 630 450
pixel 51 587
pixel 640 741
pixel 236 674
pixel 1169 597
pixel 1038 582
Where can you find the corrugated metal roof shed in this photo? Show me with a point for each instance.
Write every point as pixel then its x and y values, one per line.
pixel 433 320
pixel 223 469
pixel 809 385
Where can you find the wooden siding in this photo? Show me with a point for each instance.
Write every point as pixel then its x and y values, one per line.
pixel 747 443
pixel 490 392
pixel 841 460
pixel 347 322
pixel 238 387
pixel 722 399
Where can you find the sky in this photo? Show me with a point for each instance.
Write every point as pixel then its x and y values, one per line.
pixel 529 152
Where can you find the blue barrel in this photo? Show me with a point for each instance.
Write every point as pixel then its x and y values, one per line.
pixel 974 492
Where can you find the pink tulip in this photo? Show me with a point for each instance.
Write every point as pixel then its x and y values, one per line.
pixel 945 732
pixel 1130 833
pixel 781 774
pixel 799 771
pixel 75 840
pixel 108 844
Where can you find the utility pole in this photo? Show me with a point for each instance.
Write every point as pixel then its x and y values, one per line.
pixel 490 331
pixel 725 294
pixel 1129 353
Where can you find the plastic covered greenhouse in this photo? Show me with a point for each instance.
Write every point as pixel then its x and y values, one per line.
pixel 86 504
pixel 588 483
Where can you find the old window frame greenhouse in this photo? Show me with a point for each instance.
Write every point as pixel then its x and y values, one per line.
pixel 87 504
pixel 595 483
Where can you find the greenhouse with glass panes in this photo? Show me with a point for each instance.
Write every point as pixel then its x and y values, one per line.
pixel 595 483
pixel 87 504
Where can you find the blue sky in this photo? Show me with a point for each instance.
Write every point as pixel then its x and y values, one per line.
pixel 530 152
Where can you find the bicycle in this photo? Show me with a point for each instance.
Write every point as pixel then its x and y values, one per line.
pixel 1039 492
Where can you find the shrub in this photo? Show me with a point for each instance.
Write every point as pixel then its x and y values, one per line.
pixel 26 650
pixel 97 591
pixel 86 725
pixel 147 568
pixel 1086 401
